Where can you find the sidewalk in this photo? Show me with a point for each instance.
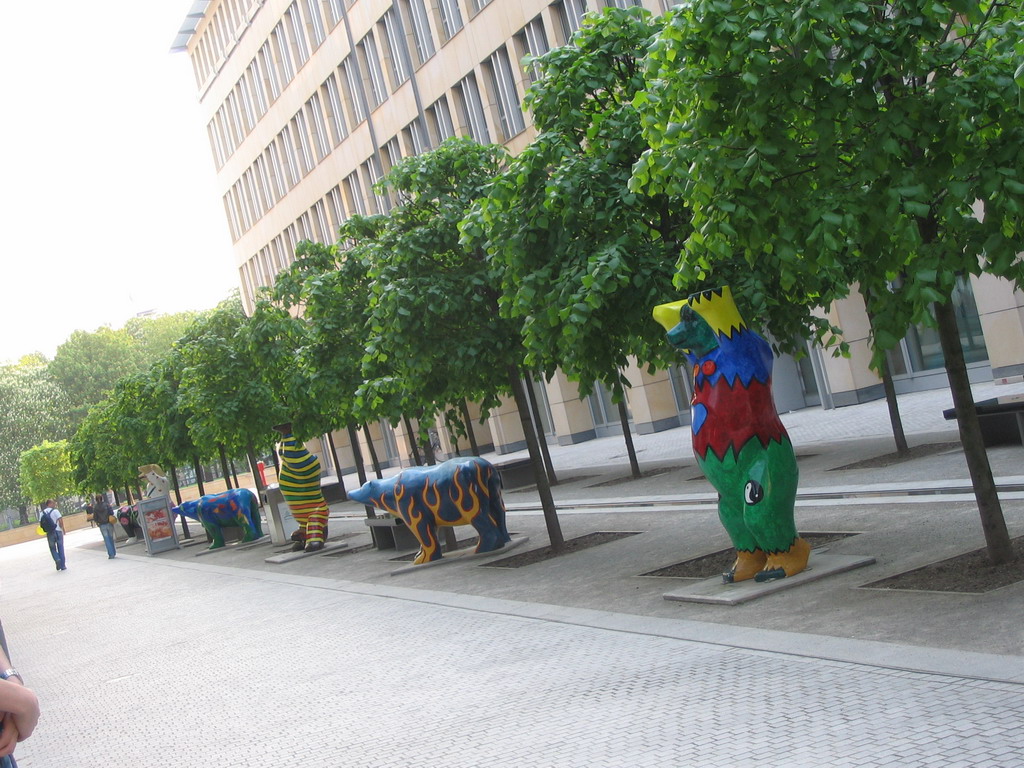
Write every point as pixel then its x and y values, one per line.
pixel 224 660
pixel 899 523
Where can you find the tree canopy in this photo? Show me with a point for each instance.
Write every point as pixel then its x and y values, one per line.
pixel 584 257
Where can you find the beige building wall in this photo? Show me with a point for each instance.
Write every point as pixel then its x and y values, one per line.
pixel 1001 310
pixel 850 379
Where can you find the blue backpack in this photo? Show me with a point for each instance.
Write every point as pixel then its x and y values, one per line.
pixel 46 522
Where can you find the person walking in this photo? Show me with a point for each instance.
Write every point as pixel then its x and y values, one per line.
pixel 102 515
pixel 52 522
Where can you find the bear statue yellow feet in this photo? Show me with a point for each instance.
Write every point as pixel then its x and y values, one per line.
pixel 747 565
pixel 788 563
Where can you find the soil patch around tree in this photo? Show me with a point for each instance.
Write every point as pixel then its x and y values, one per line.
pixel 706 566
pixel 643 476
pixel 889 459
pixel 970 572
pixel 571 545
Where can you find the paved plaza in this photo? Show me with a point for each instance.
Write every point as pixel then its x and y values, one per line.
pixel 224 660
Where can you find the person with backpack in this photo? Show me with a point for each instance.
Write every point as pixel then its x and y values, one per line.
pixel 102 514
pixel 52 523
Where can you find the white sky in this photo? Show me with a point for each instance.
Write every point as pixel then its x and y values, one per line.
pixel 109 205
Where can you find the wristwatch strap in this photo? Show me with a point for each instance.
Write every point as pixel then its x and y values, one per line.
pixel 11 672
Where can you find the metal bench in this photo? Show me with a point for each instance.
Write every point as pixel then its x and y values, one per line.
pixel 389 532
pixel 1001 419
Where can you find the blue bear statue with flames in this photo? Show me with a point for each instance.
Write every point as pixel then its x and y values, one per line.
pixel 464 491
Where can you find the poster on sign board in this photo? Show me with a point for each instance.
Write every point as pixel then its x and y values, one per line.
pixel 158 524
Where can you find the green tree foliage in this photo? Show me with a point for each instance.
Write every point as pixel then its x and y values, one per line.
pixel 434 308
pixel 87 365
pixel 585 257
pixel 45 471
pixel 822 144
pixel 102 454
pixel 434 302
pixel 33 408
pixel 155 336
pixel 313 361
pixel 221 388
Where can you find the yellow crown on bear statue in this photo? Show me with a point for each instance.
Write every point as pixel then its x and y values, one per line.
pixel 717 308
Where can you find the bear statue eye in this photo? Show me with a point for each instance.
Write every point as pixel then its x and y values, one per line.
pixel 753 492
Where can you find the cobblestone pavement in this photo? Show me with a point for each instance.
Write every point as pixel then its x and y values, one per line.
pixel 143 662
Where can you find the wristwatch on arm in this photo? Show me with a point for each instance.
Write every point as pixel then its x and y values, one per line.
pixel 9 673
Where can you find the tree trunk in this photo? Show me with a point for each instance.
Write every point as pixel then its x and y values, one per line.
pixel 175 486
pixel 997 539
pixel 532 444
pixel 199 475
pixel 473 447
pixel 894 410
pixel 357 452
pixel 890 391
pixel 337 465
pixel 250 455
pixel 634 465
pixel 374 461
pixel 412 441
pixel 531 393
pixel 224 465
pixel 428 451
pixel 177 494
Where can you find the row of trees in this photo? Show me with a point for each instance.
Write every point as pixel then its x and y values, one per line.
pixel 791 151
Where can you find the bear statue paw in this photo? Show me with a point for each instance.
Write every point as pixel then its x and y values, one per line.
pixel 788 563
pixel 314 546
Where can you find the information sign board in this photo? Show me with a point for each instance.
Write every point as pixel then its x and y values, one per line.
pixel 158 524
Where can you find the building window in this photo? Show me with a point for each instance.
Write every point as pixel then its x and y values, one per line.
pixel 279 253
pixel 268 72
pixel 321 229
pixel 300 141
pixel 570 14
pixel 451 17
pixel 255 85
pixel 504 93
pixel 920 349
pixel 286 152
pixel 479 5
pixel 331 99
pixel 471 109
pixel 375 174
pixel 352 90
pixel 231 212
pixel 336 209
pixel 297 33
pixel 369 60
pixel 282 54
pixel 397 52
pixel 215 144
pixel 415 136
pixel 315 118
pixel 417 19
pixel 275 171
pixel 245 102
pixel 354 199
pixel 392 154
pixel 314 22
pixel 532 42
pixel 622 4
pixel 263 183
pixel 439 121
pixel 335 11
